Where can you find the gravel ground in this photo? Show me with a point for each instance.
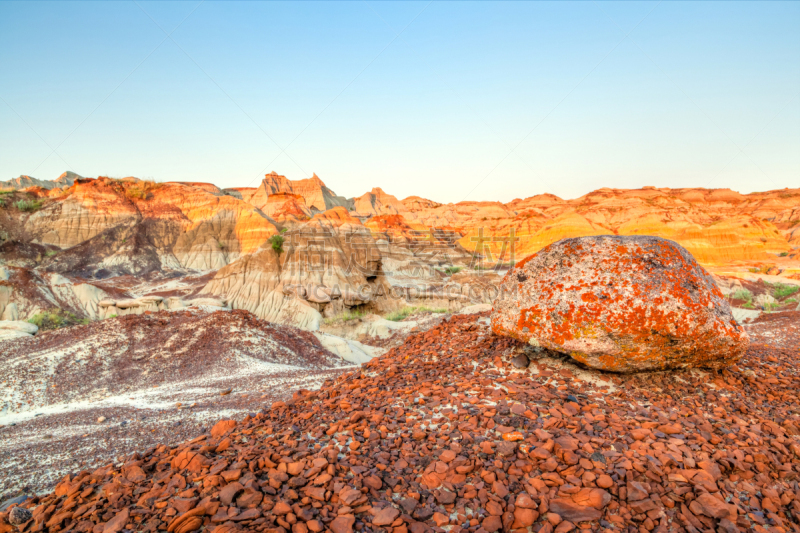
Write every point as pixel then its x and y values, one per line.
pixel 460 430
pixel 153 379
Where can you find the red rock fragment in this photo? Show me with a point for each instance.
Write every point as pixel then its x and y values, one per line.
pixel 524 517
pixel 597 498
pixel 569 510
pixel 439 519
pixel 343 524
pixel 492 524
pixel 230 492
pixel 385 516
pixel 637 491
pixel 117 523
pixel 222 427
pixel 710 506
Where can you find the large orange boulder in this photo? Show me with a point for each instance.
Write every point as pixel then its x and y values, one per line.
pixel 622 304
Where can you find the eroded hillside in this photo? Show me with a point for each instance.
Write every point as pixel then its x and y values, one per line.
pixel 295 252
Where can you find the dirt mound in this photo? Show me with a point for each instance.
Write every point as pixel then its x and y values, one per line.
pixel 624 304
pixel 455 431
pixel 135 368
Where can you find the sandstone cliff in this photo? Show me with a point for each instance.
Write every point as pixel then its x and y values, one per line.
pixel 316 195
pixel 377 202
pixel 129 226
pixel 374 252
pixel 717 226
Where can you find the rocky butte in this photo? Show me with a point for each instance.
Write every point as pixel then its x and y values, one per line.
pixel 285 359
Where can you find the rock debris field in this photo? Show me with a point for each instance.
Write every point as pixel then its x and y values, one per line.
pixel 462 430
pixel 82 396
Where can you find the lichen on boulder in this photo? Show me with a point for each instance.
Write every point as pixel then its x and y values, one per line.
pixel 619 303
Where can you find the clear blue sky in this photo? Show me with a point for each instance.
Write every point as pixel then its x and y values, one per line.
pixel 447 100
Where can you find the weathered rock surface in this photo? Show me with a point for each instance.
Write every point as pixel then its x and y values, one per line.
pixel 349 350
pixel 18 325
pixel 623 304
pixel 331 262
pixel 26 292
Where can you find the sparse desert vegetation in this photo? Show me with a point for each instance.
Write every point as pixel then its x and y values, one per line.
pixel 28 206
pixel 405 312
pixel 56 318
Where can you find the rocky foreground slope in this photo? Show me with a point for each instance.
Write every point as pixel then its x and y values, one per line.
pixel 462 430
pixel 85 394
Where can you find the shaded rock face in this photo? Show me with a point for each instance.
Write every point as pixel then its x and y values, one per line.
pixel 623 304
pixel 116 251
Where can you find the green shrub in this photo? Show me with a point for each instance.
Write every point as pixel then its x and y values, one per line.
pixel 29 206
pixel 742 294
pixel 347 316
pixel 136 193
pixel 277 243
pixel 56 318
pixel 405 312
pixel 783 254
pixel 51 253
pixel 140 189
pixel 352 314
pixel 781 290
pixel 452 270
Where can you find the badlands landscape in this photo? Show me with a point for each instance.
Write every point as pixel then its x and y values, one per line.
pixel 180 357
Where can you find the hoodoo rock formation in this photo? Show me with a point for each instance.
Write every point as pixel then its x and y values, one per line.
pixel 77 241
pixel 316 194
pixel 623 304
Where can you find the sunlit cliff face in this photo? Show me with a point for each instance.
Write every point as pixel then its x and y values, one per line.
pixel 95 232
